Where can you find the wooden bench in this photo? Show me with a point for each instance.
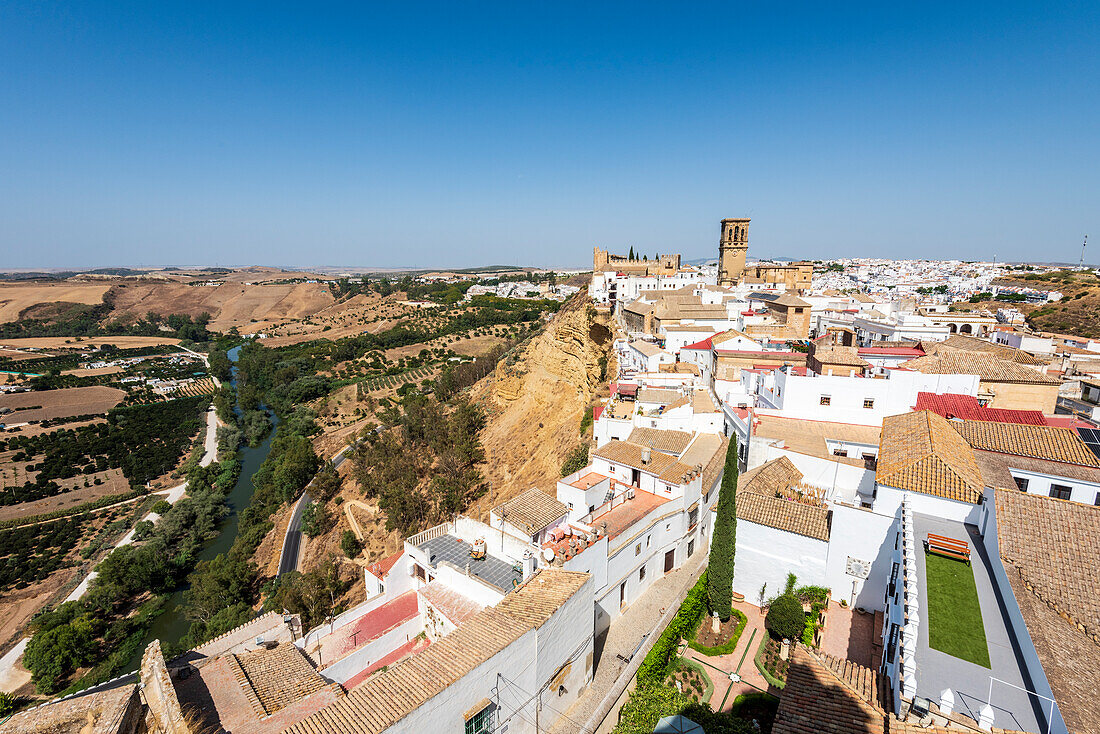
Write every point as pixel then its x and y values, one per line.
pixel 949 547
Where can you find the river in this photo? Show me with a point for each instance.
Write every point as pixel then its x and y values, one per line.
pixel 170 626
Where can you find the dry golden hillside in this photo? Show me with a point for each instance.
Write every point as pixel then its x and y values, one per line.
pixel 535 402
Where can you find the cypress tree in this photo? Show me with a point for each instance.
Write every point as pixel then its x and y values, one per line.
pixel 631 255
pixel 724 545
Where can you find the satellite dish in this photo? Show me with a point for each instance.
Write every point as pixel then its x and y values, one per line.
pixel 548 554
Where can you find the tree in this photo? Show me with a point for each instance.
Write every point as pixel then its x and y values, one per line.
pixel 631 255
pixel 785 619
pixel 350 544
pixel 724 545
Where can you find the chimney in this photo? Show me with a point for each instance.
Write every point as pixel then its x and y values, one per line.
pixel 646 455
pixel 528 564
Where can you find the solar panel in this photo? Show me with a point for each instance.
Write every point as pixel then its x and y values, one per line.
pixel 1091 437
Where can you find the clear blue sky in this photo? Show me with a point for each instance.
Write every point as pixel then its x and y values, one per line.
pixel 415 134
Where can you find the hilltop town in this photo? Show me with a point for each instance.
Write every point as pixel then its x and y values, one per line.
pixel 853 495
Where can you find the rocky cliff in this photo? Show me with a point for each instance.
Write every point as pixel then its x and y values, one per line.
pixel 536 398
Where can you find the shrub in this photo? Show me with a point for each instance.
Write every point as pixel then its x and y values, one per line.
pixel 785 619
pixel 161 506
pixel 350 544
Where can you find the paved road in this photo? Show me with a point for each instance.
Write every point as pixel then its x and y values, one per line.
pixel 292 541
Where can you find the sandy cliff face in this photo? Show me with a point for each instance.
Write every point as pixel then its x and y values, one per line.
pixel 535 400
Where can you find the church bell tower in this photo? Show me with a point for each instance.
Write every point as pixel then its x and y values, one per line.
pixel 732 249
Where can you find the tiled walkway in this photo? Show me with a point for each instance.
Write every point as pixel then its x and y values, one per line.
pixel 851 635
pixel 740 661
pixel 623 638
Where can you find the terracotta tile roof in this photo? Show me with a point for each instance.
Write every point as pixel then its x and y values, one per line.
pixel 688 328
pixel 274 678
pixel 996 469
pixel 639 307
pixel 816 700
pixel 672 442
pixel 666 467
pixel 811 437
pixel 973 344
pixel 647 348
pixel 702 402
pixel 831 695
pixel 385 699
pixel 779 299
pixel 714 468
pixel 783 514
pixel 532 510
pixel 381 568
pixel 846 356
pixel 1040 442
pixel 768 478
pixel 1051 550
pixel 757 501
pixel 657 395
pixel 986 366
pixel 921 452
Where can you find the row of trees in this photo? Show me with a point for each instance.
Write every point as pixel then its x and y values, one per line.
pixel 104 628
pixel 145 441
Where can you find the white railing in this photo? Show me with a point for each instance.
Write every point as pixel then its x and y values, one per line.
pixel 430 534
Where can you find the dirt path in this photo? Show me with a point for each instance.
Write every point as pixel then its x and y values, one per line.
pixel 13 675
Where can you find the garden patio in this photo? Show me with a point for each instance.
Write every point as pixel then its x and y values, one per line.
pixel 950 594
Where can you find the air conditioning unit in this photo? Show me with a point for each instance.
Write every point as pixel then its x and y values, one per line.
pixel 630 493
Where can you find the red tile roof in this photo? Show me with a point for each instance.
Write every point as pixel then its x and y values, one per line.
pixel 382 568
pixel 705 345
pixel 967 407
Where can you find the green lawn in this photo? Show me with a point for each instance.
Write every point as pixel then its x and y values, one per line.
pixel 954 614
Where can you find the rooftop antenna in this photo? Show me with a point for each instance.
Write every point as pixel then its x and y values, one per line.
pixel 1083 244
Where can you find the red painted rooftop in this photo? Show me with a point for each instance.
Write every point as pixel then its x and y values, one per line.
pixel 967 407
pixel 705 345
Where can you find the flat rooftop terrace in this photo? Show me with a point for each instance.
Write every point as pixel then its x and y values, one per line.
pixel 936 670
pixel 493 571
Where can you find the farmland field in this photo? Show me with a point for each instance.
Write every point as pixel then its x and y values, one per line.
pixel 47 404
pixel 112 483
pixel 14 299
pixel 65 342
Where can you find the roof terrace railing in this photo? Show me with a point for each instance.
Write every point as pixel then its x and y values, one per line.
pixel 430 534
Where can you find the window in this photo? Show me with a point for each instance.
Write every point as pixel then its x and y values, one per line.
pixel 1021 483
pixel 641 573
pixel 418 571
pixel 868 403
pixel 826 400
pixel 638 549
pixel 870 461
pixel 647 541
pixel 481 722
pixel 1097 500
pixel 693 517
pixel 1059 491
pixel 691 543
pixel 840 452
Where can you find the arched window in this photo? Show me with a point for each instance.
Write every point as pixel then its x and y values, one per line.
pixel 965 329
